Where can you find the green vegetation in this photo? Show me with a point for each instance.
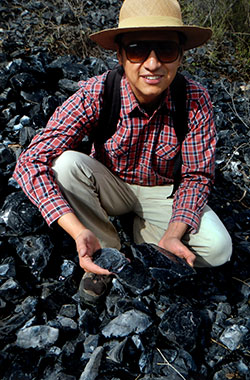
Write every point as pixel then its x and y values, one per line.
pixel 230 21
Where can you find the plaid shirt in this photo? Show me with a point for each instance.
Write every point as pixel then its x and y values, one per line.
pixel 140 152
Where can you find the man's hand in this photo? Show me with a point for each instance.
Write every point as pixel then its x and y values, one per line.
pixel 87 244
pixel 171 241
pixel 176 247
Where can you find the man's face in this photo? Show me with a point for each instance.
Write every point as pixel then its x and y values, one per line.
pixel 150 78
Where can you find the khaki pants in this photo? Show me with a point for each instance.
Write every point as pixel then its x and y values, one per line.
pixel 95 194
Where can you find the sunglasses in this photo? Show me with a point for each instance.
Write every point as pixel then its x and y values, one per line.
pixel 166 51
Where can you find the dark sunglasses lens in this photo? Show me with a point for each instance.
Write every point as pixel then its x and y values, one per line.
pixel 166 51
pixel 136 53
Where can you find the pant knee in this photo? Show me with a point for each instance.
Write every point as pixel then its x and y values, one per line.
pixel 68 168
pixel 222 248
pixel 66 161
pixel 218 250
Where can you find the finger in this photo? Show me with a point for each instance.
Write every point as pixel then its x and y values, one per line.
pixel 89 266
pixel 190 261
pixel 190 258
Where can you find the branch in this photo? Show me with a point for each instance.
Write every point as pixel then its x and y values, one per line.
pixel 169 364
pixel 234 152
pixel 243 282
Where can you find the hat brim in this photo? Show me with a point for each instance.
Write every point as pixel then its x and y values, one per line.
pixel 195 35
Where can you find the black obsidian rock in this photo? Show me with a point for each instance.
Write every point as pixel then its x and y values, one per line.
pixel 19 216
pixel 92 368
pixel 111 259
pixel 167 269
pixel 23 81
pixel 136 278
pixel 132 274
pixel 34 251
pixel 150 264
pixel 8 268
pixel 11 290
pixel 25 135
pixel 6 156
pixel 37 337
pixel 22 313
pixel 180 325
pixel 174 364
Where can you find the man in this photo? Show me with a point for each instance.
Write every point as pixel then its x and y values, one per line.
pixel 132 170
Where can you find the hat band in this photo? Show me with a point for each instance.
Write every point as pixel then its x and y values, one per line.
pixel 151 21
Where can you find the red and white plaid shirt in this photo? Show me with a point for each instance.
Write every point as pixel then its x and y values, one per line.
pixel 140 152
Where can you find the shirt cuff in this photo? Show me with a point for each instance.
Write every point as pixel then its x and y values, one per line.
pixel 188 217
pixel 53 209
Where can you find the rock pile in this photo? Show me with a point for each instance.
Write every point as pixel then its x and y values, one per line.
pixel 192 326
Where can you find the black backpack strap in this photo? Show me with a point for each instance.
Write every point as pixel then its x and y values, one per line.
pixel 180 118
pixel 110 110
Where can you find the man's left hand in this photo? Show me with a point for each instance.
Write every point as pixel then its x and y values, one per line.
pixel 171 241
pixel 176 247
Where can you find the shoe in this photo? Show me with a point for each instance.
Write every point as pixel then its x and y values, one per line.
pixel 93 287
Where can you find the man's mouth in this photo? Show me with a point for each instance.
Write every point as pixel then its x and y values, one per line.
pixel 152 77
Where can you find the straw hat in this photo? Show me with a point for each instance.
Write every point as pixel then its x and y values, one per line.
pixel 162 15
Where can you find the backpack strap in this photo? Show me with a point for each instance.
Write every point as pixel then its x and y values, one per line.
pixel 110 111
pixel 180 119
pixel 179 95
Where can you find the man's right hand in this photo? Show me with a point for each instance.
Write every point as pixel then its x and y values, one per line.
pixel 87 244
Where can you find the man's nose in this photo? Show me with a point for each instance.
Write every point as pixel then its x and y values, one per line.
pixel 152 62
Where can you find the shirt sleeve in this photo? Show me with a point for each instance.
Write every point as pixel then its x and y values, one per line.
pixel 198 155
pixel 64 131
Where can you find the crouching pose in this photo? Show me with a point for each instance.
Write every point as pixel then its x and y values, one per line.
pixel 133 170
